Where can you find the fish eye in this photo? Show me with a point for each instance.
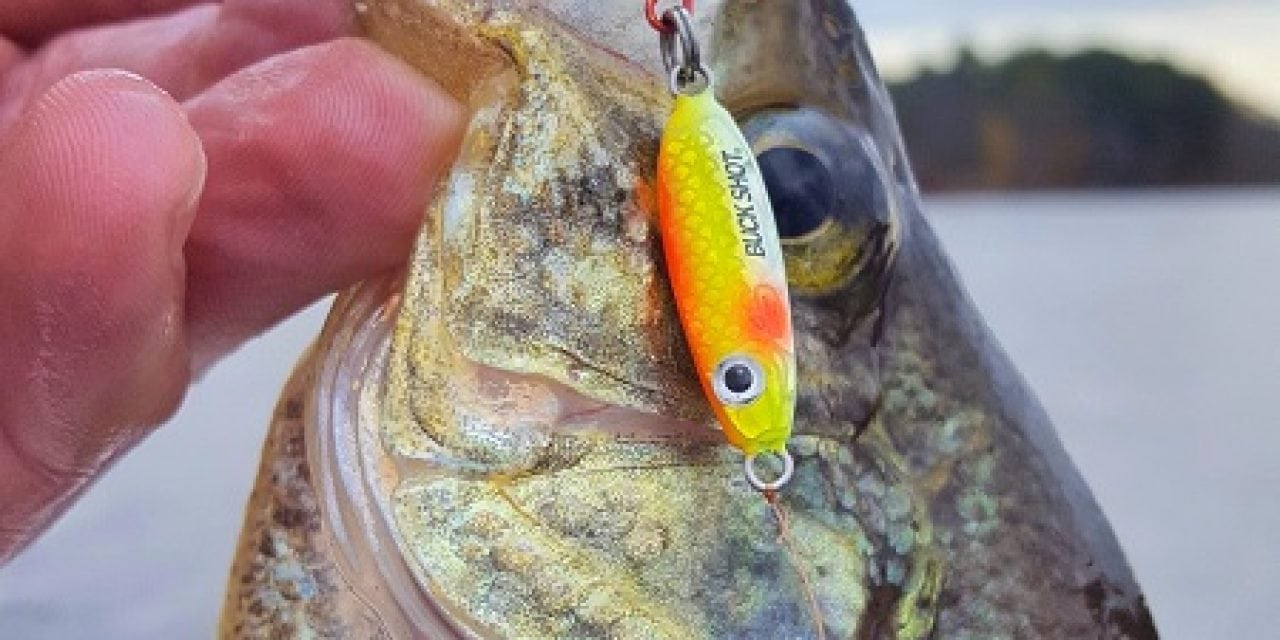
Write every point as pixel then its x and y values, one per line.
pixel 738 380
pixel 800 189
pixel 833 201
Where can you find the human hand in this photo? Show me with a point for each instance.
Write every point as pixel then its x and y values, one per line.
pixel 149 226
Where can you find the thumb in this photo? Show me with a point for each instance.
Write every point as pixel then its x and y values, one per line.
pixel 98 185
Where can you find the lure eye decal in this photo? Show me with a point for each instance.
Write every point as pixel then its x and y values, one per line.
pixel 738 380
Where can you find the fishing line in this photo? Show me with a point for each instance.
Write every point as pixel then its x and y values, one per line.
pixel 797 562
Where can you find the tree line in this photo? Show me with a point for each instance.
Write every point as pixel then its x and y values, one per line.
pixel 1089 119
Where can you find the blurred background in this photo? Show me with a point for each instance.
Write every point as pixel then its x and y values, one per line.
pixel 1103 174
pixel 1084 94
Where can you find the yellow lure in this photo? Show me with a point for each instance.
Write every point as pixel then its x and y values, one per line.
pixel 724 259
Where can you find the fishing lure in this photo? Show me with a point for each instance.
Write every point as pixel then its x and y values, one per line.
pixel 724 258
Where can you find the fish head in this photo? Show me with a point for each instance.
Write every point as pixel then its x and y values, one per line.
pixel 512 441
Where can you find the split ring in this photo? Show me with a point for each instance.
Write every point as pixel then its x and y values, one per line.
pixel 681 54
pixel 788 469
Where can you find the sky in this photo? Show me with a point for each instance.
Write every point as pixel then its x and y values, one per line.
pixel 1235 43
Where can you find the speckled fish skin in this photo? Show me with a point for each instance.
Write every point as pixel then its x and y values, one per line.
pixel 724 261
pixel 509 440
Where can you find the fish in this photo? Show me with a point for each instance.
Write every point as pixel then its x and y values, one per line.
pixel 509 439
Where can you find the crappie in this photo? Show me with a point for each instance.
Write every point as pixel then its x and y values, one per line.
pixel 507 440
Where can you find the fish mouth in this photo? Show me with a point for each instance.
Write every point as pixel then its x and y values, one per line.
pixel 361 481
pixel 617 523
pixel 509 400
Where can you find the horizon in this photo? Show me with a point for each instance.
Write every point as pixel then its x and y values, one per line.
pixel 1228 43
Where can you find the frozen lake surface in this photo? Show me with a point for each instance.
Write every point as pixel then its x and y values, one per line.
pixel 1146 321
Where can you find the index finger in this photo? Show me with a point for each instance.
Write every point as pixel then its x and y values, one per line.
pixel 31 21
